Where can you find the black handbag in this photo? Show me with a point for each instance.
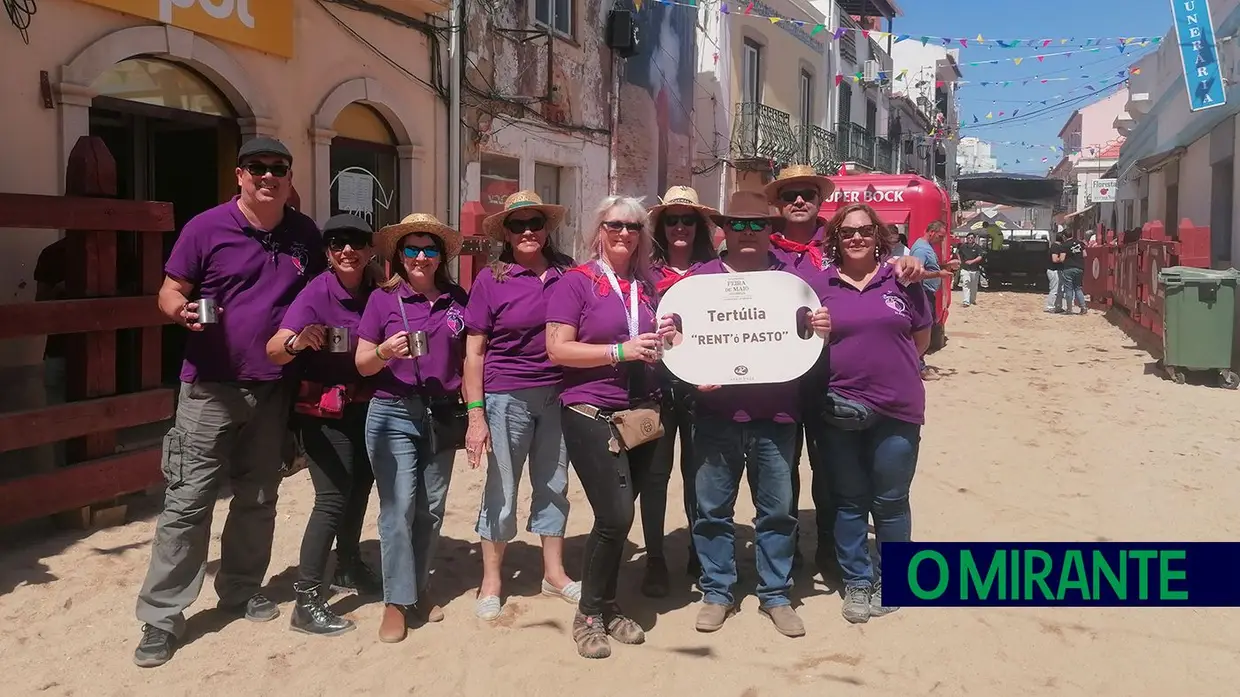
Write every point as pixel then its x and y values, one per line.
pixel 447 420
pixel 847 414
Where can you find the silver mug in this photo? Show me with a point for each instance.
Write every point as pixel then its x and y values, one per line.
pixel 337 340
pixel 417 344
pixel 208 311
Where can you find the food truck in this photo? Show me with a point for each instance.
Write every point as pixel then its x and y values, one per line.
pixel 906 201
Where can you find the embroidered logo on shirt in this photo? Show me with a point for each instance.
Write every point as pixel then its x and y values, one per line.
pixel 455 320
pixel 300 257
pixel 896 303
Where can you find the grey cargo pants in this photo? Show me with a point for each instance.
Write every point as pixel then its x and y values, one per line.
pixel 223 431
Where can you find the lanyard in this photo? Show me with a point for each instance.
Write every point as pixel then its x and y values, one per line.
pixel 631 311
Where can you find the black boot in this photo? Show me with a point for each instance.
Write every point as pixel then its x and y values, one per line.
pixel 353 576
pixel 311 615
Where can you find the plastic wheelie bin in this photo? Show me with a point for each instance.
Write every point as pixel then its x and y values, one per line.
pixel 1198 322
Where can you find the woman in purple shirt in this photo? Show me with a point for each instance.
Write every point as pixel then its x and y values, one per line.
pixel 412 340
pixel 512 392
pixel 330 419
pixel 683 239
pixel 601 331
pixel 875 402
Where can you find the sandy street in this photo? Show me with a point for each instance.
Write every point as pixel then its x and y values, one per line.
pixel 1043 428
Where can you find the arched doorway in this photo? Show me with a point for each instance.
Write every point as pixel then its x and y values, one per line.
pixel 364 166
pixel 174 137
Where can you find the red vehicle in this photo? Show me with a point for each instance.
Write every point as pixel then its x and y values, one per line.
pixel 908 202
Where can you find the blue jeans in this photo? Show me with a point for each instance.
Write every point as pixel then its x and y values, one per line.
pixel 873 471
pixel 1072 280
pixel 413 487
pixel 725 450
pixel 524 424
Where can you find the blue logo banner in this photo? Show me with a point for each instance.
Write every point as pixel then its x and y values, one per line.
pixel 1061 574
pixel 1194 30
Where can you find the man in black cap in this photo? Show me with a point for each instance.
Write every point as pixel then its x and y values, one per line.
pixel 249 256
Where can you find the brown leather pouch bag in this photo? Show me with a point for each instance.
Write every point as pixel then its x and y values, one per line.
pixel 638 425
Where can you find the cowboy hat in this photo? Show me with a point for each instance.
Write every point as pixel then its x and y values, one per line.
pixel 493 225
pixel 748 205
pixel 681 196
pixel 799 174
pixel 417 223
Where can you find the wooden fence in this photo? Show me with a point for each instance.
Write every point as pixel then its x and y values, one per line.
pixel 88 422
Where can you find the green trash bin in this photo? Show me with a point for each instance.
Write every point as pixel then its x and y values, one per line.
pixel 1199 313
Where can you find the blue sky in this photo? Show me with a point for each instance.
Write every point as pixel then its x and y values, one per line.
pixel 1030 19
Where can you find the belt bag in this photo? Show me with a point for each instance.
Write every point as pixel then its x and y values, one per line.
pixel 638 425
pixel 847 414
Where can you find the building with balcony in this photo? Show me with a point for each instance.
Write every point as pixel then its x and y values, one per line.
pixel 172 94
pixel 862 112
pixel 1177 164
pixel 973 156
pixel 1091 146
pixel 908 131
pixel 930 75
pixel 761 97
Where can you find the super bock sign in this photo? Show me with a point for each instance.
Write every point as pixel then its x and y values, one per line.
pixel 741 328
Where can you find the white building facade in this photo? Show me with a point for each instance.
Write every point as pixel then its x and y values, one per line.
pixel 973 156
pixel 931 76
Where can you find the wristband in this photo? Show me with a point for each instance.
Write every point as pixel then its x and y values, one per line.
pixel 479 404
pixel 619 353
pixel 288 346
pixel 380 355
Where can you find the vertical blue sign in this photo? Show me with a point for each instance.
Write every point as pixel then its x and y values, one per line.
pixel 1199 54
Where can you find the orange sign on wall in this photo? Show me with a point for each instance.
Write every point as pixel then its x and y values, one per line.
pixel 263 25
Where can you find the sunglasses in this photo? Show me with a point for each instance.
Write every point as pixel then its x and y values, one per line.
pixel 792 196
pixel 685 220
pixel 413 252
pixel 618 225
pixel 866 231
pixel 337 243
pixel 517 227
pixel 259 169
pixel 742 224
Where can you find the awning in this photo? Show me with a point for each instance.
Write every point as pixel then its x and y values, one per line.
pixel 1019 190
pixel 1157 161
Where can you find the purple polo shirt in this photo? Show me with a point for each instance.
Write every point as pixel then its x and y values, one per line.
pixel 438 373
pixel 513 316
pixel 744 403
pixel 253 277
pixel 873 359
pixel 800 263
pixel 325 301
pixel 583 299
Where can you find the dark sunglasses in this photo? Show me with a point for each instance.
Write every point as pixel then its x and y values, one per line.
pixel 413 252
pixel 258 169
pixel 753 225
pixel 517 227
pixel 792 196
pixel 618 225
pixel 337 243
pixel 686 220
pixel 866 231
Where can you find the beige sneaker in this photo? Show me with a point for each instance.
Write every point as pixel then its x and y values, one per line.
pixel 785 620
pixel 711 617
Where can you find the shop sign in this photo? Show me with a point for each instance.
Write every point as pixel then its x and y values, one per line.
pixel 263 25
pixel 1102 191
pixel 1199 54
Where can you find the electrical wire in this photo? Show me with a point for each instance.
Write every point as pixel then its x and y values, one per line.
pixel 20 12
pixel 435 87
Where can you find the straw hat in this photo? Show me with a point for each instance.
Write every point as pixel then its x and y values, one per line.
pixel 421 223
pixel 493 225
pixel 799 174
pixel 681 196
pixel 747 204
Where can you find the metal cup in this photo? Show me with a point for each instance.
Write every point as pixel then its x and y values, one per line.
pixel 417 344
pixel 337 340
pixel 208 311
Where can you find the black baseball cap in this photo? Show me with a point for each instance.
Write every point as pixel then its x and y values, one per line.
pixel 346 223
pixel 263 145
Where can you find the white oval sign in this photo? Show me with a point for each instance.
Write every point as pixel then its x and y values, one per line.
pixel 740 328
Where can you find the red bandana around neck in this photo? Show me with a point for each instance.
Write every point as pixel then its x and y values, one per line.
pixel 603 287
pixel 787 245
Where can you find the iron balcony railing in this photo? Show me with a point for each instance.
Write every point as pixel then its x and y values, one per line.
pixel 884 157
pixel 855 143
pixel 817 149
pixel 761 132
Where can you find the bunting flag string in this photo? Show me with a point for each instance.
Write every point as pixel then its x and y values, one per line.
pixel 996 118
pixel 747 8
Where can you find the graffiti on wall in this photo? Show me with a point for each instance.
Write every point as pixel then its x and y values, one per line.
pixel 656 103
